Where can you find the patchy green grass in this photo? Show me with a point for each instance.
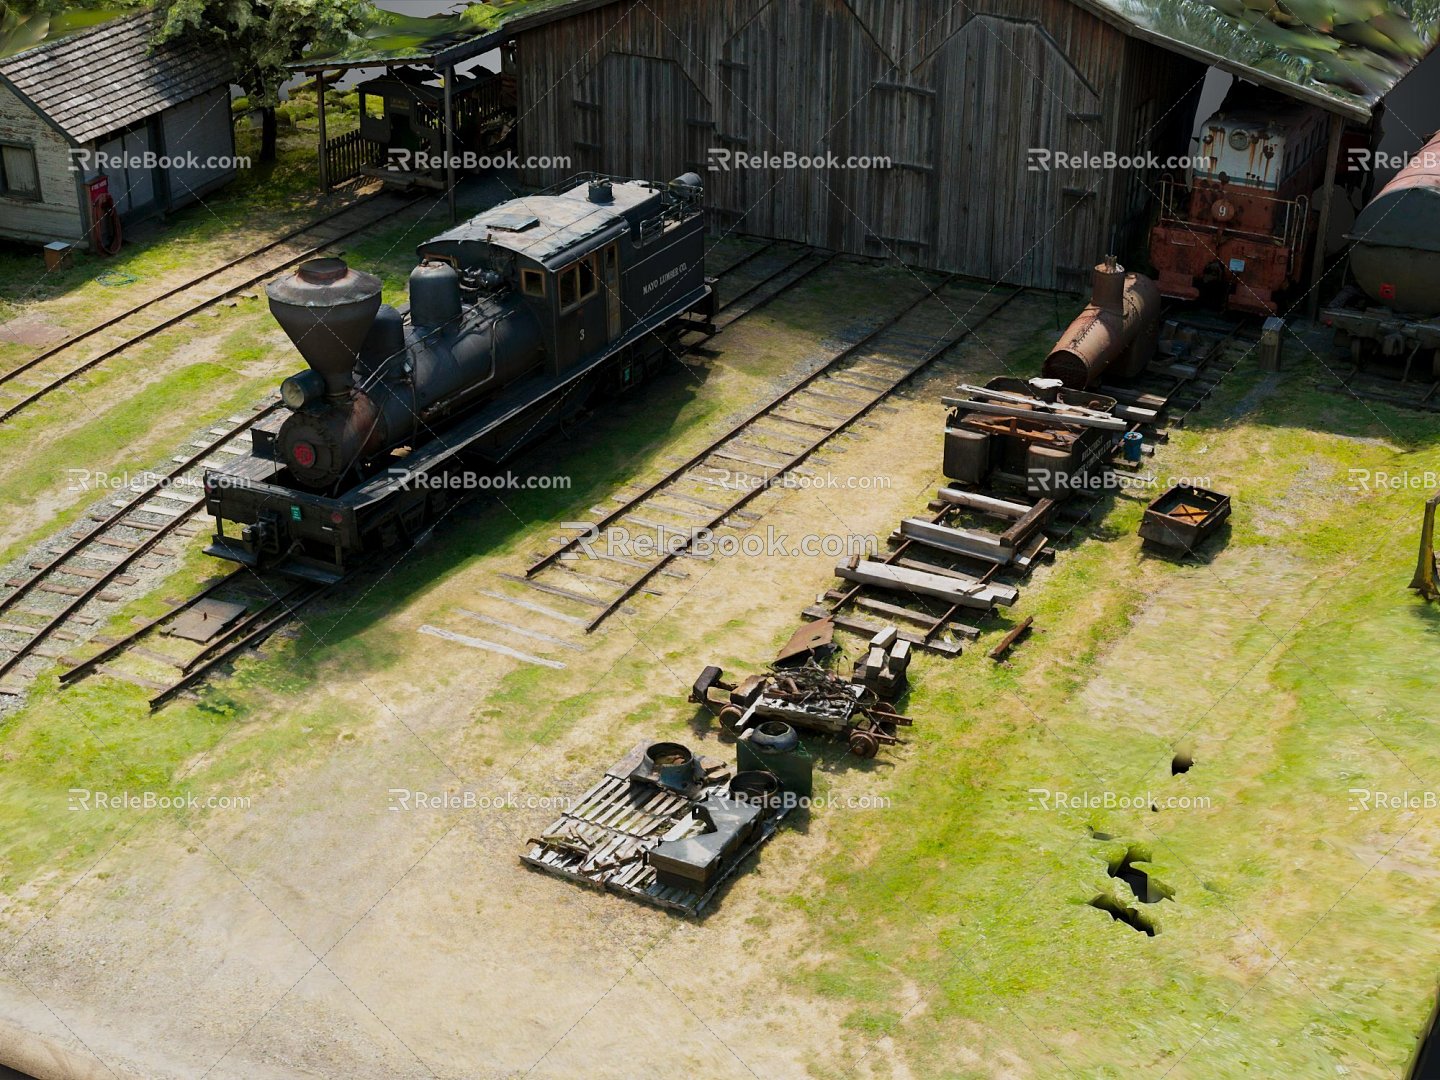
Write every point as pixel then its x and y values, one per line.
pixel 1296 661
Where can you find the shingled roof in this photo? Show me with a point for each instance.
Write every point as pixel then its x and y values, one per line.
pixel 94 82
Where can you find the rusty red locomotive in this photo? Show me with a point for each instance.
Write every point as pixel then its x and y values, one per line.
pixel 1239 228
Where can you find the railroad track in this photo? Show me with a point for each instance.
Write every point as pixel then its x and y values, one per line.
pixel 761 451
pixel 83 568
pixel 43 374
pixel 177 649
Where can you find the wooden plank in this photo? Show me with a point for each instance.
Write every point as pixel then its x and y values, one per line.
pixel 555 590
pixel 1008 641
pixel 895 611
pixel 972 542
pixel 1049 419
pixel 536 635
pixel 900 579
pixel 986 503
pixel 869 629
pixel 538 609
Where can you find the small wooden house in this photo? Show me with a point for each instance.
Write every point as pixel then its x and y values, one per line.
pixel 102 110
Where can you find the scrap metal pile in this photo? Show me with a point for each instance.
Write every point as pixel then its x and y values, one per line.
pixel 813 699
pixel 664 826
pixel 1030 458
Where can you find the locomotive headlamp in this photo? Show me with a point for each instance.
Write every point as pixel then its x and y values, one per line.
pixel 300 390
pixel 1239 140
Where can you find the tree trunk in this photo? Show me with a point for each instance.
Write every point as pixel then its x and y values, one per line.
pixel 267 134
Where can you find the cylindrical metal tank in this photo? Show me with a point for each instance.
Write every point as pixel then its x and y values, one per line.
pixel 1396 257
pixel 448 369
pixel 1117 327
pixel 434 294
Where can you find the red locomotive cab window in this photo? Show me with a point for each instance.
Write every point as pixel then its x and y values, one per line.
pixel 304 454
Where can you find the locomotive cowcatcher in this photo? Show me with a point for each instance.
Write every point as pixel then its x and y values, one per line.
pixel 517 321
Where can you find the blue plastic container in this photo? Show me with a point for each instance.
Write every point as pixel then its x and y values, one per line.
pixel 1132 445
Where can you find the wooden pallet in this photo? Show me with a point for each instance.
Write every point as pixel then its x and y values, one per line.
pixel 602 840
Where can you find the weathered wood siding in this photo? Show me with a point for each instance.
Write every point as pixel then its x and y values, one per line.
pixel 57 215
pixel 953 94
pixel 201 127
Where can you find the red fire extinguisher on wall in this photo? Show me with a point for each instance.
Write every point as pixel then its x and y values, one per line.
pixel 106 233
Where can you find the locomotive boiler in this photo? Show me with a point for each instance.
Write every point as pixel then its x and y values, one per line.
pixel 1392 308
pixel 1240 227
pixel 1115 334
pixel 517 320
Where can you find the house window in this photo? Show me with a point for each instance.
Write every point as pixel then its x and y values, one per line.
pixel 532 282
pixel 18 176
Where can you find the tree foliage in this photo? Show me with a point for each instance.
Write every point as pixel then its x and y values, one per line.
pixel 262 36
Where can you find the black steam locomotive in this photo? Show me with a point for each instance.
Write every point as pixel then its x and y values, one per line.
pixel 517 320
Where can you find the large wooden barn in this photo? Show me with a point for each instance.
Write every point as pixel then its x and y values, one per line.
pixel 954 94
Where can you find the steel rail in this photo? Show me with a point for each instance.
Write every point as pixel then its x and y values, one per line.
pixel 797 459
pixel 95 361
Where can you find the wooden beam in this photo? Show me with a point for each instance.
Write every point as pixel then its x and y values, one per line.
pixel 921 583
pixel 986 503
pixel 1317 265
pixel 1008 641
pixel 324 143
pixel 970 542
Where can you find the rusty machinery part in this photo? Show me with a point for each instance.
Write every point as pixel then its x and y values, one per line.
pixel 1117 330
pixel 864 744
pixel 730 717
pixel 775 735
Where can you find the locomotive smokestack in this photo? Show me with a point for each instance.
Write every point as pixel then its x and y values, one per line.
pixel 326 308
pixel 1107 286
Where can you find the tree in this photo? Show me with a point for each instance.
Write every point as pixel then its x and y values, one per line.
pixel 262 36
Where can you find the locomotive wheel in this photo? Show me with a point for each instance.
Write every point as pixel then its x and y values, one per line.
pixel 863 744
pixel 730 717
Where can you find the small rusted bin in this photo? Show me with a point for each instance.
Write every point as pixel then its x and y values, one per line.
pixel 1184 517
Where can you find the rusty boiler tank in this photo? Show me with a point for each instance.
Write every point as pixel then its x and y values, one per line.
pixel 1114 336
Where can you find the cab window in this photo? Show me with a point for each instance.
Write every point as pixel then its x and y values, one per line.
pixel 532 282
pixel 578 282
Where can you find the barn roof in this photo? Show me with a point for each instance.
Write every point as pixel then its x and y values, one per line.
pixel 102 79
pixel 1344 55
